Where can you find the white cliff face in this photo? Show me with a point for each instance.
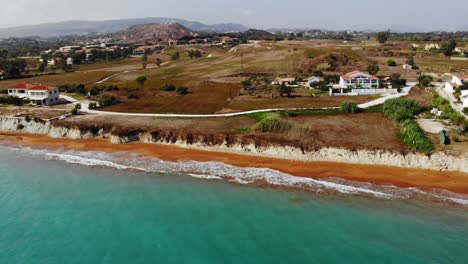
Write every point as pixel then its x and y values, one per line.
pixel 437 161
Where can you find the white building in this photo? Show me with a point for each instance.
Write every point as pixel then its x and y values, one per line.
pixel 38 94
pixel 407 67
pixel 358 79
pixel 464 98
pixel 430 46
pixel 455 83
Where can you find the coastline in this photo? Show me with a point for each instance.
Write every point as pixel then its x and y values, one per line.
pixel 453 181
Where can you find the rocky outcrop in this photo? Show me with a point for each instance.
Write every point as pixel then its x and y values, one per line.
pixel 233 144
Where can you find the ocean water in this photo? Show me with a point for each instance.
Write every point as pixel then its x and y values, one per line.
pixel 70 207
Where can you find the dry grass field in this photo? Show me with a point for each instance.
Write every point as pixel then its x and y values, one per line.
pixel 214 79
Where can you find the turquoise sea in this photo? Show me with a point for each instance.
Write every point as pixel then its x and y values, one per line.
pixel 64 207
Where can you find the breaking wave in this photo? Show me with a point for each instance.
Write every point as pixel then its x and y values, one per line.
pixel 252 176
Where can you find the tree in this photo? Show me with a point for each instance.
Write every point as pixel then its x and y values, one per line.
pixel 175 56
pixel 158 62
pixel 13 68
pixel 425 80
pixel 448 47
pixel 382 37
pixel 410 60
pixel 285 89
pixel 3 53
pixel 144 60
pixel 391 62
pixel 194 54
pixel 65 66
pixel 373 68
pixel 141 80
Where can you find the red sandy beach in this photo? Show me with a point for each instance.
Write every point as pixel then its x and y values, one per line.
pixel 376 174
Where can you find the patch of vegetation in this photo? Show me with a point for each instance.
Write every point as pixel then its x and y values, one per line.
pixel 168 88
pixel 448 112
pixel 13 100
pixel 273 124
pixel 413 136
pixel 403 111
pixel 183 90
pixel 350 107
pixel 107 100
pixel 425 80
pixel 400 109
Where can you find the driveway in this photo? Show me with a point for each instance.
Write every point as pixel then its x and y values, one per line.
pixel 379 101
pixel 453 101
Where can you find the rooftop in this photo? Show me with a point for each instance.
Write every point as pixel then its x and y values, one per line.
pixel 34 87
pixel 354 74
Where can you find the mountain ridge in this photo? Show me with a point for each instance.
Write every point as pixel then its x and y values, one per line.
pixel 85 27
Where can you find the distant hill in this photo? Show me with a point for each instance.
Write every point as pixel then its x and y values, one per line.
pixel 79 27
pixel 152 32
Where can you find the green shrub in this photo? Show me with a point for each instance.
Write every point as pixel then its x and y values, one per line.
pixel 92 105
pixel 107 101
pixel 413 136
pixel 465 110
pixel 11 100
pixel 273 124
pixel 168 88
pixel 349 107
pixel 391 62
pixel 400 109
pixel 75 111
pixel 182 90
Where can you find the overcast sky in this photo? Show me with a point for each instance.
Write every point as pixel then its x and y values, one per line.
pixel 330 14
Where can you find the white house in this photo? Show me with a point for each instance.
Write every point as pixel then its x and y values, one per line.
pixel 430 46
pixel 2 74
pixel 69 61
pixel 286 81
pixel 38 94
pixel 358 79
pixel 464 98
pixel 455 83
pixel 407 67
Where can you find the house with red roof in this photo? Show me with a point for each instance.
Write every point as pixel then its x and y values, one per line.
pixel 38 94
pixel 359 80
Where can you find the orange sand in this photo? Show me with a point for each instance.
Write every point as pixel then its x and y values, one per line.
pixel 377 174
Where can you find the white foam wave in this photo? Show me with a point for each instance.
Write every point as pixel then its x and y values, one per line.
pixel 218 171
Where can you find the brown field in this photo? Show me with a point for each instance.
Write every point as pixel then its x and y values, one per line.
pixel 214 80
pixel 60 78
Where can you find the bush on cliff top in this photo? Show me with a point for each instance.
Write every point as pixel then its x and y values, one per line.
pixel 273 124
pixel 400 109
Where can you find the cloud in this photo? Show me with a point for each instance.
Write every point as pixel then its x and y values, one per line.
pixel 246 12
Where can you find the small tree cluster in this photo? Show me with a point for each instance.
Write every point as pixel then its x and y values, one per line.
pixel 194 54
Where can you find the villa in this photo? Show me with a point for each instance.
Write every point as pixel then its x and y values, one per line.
pixel 359 80
pixel 38 94
pixel 359 83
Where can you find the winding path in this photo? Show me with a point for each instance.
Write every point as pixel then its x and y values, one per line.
pixel 379 101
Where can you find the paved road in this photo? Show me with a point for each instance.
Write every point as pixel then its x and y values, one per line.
pixel 449 96
pixel 379 101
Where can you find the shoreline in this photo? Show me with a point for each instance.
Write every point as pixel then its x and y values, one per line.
pixel 426 179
